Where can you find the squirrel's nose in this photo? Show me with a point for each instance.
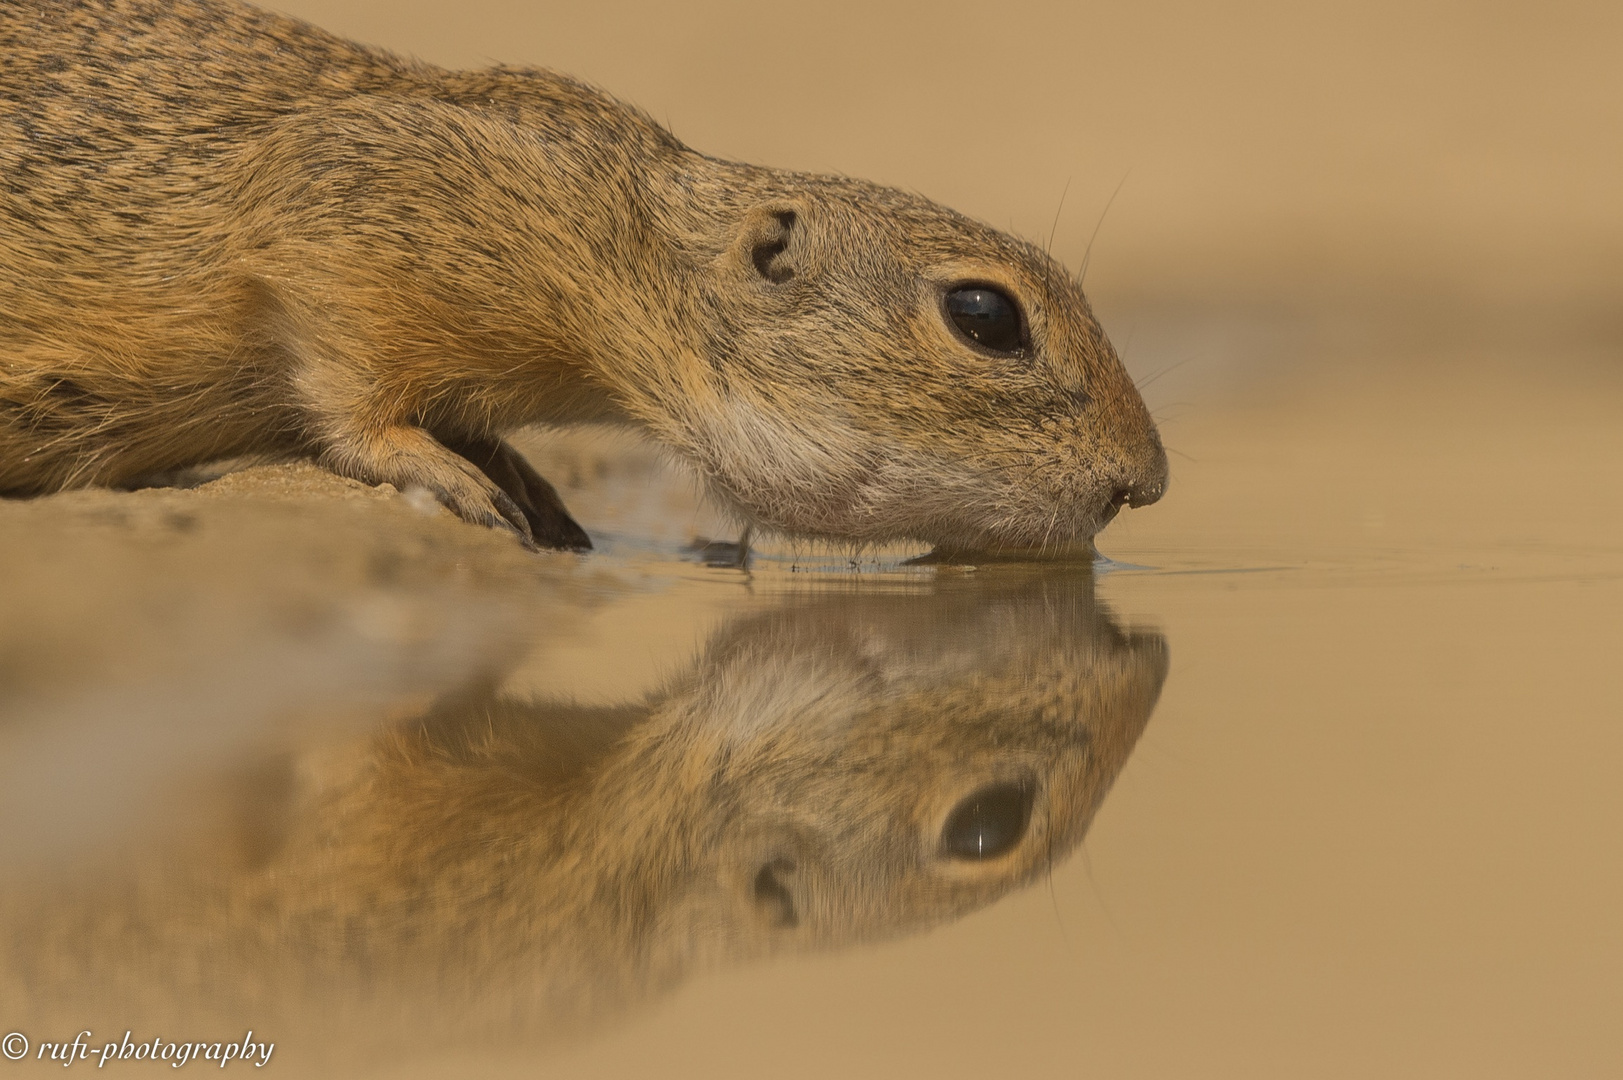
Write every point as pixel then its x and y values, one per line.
pixel 1146 488
pixel 1134 497
pixel 1138 494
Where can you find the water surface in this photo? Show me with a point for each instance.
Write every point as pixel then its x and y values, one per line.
pixel 1312 774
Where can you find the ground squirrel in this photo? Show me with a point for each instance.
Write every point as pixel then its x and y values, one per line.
pixel 225 231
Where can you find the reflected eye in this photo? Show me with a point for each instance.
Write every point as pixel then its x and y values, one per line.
pixel 988 317
pixel 988 823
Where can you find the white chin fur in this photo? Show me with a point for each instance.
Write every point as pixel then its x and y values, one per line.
pixel 773 474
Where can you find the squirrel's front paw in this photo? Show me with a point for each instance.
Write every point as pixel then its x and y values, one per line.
pixel 483 504
pixel 409 457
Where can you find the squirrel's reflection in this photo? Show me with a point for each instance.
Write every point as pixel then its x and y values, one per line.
pixel 841 768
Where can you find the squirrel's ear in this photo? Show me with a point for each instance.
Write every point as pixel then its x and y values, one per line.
pixel 770 241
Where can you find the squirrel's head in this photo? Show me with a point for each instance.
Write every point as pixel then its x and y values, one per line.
pixel 878 367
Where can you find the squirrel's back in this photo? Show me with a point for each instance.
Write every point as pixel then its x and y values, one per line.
pixel 131 339
pixel 114 118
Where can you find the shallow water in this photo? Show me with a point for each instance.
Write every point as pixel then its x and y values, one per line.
pixel 1338 719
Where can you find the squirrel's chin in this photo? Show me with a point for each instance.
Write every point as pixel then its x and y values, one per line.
pixel 1046 537
pixel 1069 553
pixel 851 516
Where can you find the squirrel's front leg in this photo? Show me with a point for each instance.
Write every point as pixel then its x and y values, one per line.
pixel 480 479
pixel 361 420
pixel 387 327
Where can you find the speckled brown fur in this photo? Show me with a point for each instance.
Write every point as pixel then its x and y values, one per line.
pixel 223 231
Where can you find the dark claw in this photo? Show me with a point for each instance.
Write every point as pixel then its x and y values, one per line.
pixel 549 521
pixel 531 495
pixel 516 519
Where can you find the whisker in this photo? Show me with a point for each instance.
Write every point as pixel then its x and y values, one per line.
pixel 1048 248
pixel 1087 253
pixel 1165 370
pixel 1054 228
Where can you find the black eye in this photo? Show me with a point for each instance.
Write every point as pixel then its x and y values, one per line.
pixel 988 823
pixel 987 317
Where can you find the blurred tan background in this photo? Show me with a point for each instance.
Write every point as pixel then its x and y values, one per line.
pixel 1434 161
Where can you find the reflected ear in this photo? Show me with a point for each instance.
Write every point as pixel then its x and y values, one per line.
pixel 768 240
pixel 774 894
pixel 774 872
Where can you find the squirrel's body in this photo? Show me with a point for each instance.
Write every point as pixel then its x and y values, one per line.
pixel 225 232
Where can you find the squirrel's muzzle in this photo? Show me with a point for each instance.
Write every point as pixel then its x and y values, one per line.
pixel 1143 485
